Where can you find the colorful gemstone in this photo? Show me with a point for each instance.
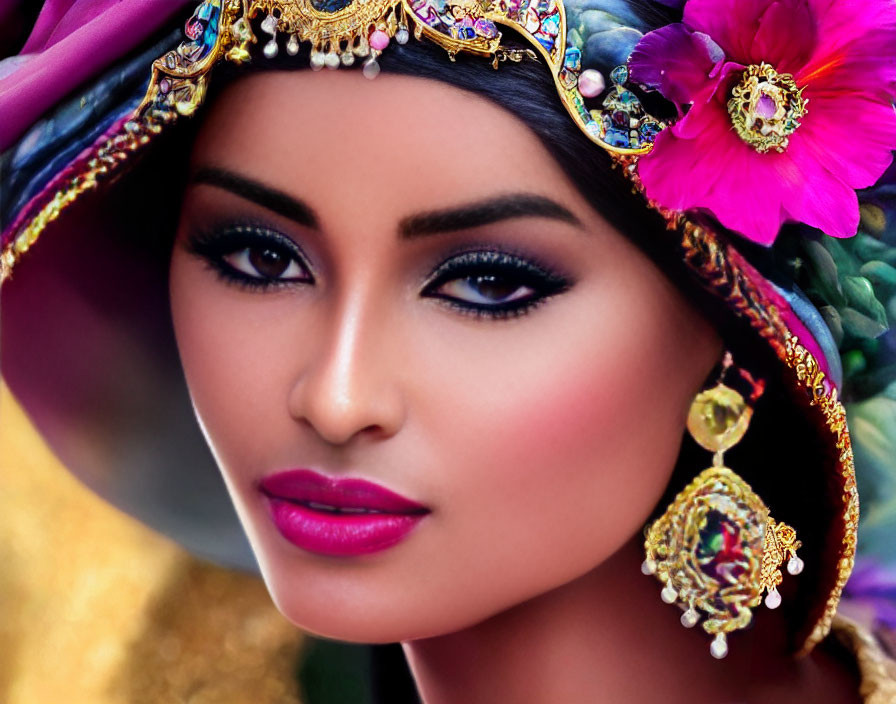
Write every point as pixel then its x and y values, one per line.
pixel 628 99
pixel 619 75
pixel 193 29
pixel 766 108
pixel 595 129
pixel 567 78
pixel 649 129
pixel 718 418
pixel 485 28
pixel 551 25
pixel 617 138
pixel 720 552
pixel 379 40
pixel 546 41
pixel 532 20
pixel 330 6
pixel 573 59
pixel 620 119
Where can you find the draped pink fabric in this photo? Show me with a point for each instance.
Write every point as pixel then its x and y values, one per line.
pixel 72 42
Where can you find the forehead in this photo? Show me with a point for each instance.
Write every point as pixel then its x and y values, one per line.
pixel 396 139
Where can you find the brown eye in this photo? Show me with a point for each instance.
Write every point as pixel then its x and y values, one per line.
pixel 266 263
pixel 486 289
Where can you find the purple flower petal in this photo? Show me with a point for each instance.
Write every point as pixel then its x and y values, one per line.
pixel 675 61
pixel 731 23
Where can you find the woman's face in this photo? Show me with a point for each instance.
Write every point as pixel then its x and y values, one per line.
pixel 357 293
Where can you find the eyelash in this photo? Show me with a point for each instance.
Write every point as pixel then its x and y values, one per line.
pixel 466 266
pixel 503 266
pixel 213 246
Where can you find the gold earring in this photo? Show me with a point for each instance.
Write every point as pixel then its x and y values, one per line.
pixel 716 549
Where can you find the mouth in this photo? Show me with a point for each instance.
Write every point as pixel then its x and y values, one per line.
pixel 338 517
pixel 336 509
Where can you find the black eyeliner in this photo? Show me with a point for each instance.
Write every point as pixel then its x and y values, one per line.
pixel 470 263
pixel 213 243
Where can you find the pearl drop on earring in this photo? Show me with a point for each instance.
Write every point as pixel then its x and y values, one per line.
pixel 719 647
pixel 669 594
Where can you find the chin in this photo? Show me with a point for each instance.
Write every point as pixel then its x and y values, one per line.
pixel 354 606
pixel 389 622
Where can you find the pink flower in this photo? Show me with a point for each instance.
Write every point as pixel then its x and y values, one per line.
pixel 783 150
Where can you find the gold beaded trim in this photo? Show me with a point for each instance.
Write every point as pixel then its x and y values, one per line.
pixel 805 365
pixel 113 152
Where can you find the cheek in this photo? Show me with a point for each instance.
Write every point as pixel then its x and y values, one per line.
pixel 226 342
pixel 561 453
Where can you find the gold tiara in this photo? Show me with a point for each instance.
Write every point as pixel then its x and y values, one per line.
pixel 341 32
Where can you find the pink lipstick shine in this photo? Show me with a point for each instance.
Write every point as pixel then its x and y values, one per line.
pixel 341 517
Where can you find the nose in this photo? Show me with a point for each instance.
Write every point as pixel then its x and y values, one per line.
pixel 349 386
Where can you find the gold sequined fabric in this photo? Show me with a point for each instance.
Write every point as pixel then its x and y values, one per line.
pixel 876 666
pixel 96 608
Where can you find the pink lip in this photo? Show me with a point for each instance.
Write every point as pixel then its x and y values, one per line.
pixel 374 517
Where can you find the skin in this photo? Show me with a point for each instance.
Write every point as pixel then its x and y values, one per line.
pixel 540 442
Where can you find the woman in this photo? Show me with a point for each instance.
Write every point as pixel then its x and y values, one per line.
pixel 453 434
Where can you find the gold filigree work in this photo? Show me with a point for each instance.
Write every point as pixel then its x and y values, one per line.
pixel 716 550
pixel 766 108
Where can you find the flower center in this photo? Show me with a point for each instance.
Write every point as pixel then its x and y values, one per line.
pixel 765 108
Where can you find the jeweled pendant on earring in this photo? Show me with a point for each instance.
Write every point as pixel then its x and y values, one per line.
pixel 716 549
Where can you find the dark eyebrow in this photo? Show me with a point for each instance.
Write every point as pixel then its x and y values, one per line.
pixel 515 205
pixel 267 197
